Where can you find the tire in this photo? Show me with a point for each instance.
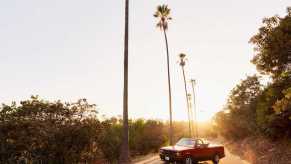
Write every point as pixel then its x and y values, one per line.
pixel 216 159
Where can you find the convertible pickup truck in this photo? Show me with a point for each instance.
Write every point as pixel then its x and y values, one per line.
pixel 190 151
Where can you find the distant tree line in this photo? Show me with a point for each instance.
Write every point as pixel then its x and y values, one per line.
pixel 256 109
pixel 39 131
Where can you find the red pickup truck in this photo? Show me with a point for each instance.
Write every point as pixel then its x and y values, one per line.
pixel 190 151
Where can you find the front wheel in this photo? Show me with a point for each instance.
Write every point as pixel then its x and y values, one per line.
pixel 216 159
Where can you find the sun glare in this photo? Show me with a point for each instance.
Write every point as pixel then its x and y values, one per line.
pixel 201 115
pixel 204 116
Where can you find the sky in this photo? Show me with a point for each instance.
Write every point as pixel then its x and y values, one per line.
pixel 71 49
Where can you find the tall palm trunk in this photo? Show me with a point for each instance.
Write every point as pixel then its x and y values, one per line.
pixel 124 154
pixel 169 87
pixel 191 116
pixel 187 99
pixel 194 108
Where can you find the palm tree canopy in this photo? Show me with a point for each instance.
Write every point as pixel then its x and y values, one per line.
pixel 182 59
pixel 193 81
pixel 163 14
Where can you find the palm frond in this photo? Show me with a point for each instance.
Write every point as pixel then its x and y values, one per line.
pixel 163 14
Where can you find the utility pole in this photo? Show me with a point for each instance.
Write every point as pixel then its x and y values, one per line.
pixel 182 64
pixel 193 82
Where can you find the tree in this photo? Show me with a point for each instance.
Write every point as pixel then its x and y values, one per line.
pixel 266 110
pixel 244 93
pixel 282 109
pixel 110 140
pixel 193 83
pixel 146 136
pixel 124 155
pixel 182 64
pixel 39 131
pixel 239 117
pixel 273 109
pixel 163 14
pixel 273 45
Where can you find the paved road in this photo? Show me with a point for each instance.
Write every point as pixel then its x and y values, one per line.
pixel 228 159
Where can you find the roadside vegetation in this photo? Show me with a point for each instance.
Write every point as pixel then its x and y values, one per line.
pixel 41 131
pixel 257 114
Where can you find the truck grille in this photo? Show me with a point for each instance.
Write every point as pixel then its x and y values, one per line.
pixel 169 153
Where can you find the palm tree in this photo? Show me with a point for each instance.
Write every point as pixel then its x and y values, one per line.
pixel 191 115
pixel 163 14
pixel 182 64
pixel 124 154
pixel 193 82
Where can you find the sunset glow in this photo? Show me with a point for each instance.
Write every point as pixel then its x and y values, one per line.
pixel 78 53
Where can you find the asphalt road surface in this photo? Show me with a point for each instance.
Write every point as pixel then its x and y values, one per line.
pixel 228 159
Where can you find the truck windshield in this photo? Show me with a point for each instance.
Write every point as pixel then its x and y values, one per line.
pixel 186 142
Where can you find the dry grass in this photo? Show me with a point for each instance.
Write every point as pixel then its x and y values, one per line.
pixel 259 150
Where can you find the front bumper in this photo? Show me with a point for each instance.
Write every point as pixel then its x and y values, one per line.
pixel 171 158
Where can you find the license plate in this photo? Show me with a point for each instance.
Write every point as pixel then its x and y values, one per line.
pixel 167 158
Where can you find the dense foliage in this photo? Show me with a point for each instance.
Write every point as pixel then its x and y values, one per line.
pixel 38 130
pixel 273 45
pixel 55 132
pixel 238 119
pixel 253 109
pixel 274 110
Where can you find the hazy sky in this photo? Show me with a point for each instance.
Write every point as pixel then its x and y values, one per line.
pixel 70 49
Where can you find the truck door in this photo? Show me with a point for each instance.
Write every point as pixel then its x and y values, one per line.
pixel 201 151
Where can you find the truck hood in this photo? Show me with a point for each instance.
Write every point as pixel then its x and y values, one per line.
pixel 175 148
